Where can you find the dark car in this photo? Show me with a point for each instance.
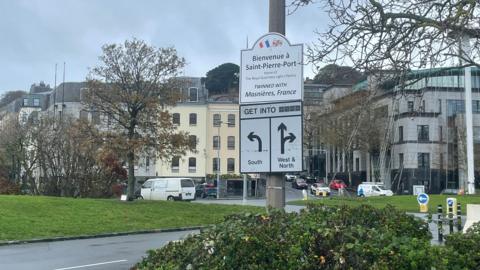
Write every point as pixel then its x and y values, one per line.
pixel 337 184
pixel 206 190
pixel 299 183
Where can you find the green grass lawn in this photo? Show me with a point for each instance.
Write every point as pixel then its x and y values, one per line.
pixel 406 203
pixel 28 217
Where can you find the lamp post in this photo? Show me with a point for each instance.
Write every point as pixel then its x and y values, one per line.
pixel 218 160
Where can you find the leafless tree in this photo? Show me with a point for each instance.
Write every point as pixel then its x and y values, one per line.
pixel 131 87
pixel 399 35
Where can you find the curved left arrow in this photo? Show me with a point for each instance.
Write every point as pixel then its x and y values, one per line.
pixel 252 137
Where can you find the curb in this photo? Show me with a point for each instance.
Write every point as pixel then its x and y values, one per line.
pixel 79 237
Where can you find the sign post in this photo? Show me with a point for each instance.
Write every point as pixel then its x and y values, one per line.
pixel 423 199
pixel 271 112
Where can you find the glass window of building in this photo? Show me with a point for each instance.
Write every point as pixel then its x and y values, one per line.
pixel 231 120
pixel 400 134
pixel 410 106
pixel 175 164
pixel 176 118
pixel 423 134
pixel 217 119
pixel 25 102
pixel 192 140
pixel 231 165
pixel 216 142
pixel 36 102
pixel 231 142
pixel 193 119
pixel 400 160
pixel 423 160
pixel 216 164
pixel 192 164
pixel 193 94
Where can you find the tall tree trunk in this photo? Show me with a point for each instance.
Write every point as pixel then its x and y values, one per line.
pixel 131 175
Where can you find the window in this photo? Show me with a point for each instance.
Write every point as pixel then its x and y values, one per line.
pixel 36 102
pixel 231 165
pixel 476 106
pixel 176 119
pixel 455 106
pixel 216 142
pixel 400 134
pixel 231 142
pixel 175 164
pixel 440 134
pixel 25 102
pixel 357 164
pixel 193 94
pixel 422 131
pixel 192 140
pixel 217 119
pixel 231 120
pixel 147 184
pixel 193 119
pixel 192 165
pixel 400 160
pixel 410 106
pixel 187 183
pixel 216 164
pixel 423 106
pixel 476 134
pixel 423 160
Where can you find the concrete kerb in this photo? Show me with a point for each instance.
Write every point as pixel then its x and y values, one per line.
pixel 79 237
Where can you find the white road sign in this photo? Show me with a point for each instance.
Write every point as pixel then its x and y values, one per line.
pixel 271 137
pixel 271 71
pixel 286 144
pixel 255 145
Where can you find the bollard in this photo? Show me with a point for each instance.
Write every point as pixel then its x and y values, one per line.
pixel 459 217
pixel 439 223
pixel 450 220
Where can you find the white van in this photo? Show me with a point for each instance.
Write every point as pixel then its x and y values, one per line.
pixel 368 189
pixel 168 189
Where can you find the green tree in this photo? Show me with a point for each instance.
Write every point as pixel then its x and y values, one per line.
pixel 131 87
pixel 335 74
pixel 220 79
pixel 11 96
pixel 397 35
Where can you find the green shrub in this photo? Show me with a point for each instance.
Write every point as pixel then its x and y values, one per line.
pixel 319 237
pixel 462 251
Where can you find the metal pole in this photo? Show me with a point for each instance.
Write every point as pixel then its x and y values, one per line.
pixel 440 223
pixel 275 181
pixel 469 129
pixel 244 201
pixel 218 163
pixel 459 217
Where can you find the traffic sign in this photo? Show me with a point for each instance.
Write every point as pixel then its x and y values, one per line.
pixel 271 71
pixel 255 145
pixel 422 198
pixel 271 137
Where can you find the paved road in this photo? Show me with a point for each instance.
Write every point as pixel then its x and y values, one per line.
pixel 120 252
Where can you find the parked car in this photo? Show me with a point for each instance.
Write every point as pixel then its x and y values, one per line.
pixel 290 177
pixel 373 189
pixel 310 179
pixel 299 183
pixel 337 184
pixel 450 191
pixel 209 191
pixel 319 189
pixel 168 189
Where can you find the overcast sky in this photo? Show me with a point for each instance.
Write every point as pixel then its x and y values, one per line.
pixel 36 34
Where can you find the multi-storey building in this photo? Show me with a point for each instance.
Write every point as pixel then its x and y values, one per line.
pixel 423 132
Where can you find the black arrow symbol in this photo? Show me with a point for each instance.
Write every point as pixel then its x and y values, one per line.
pixel 282 128
pixel 252 136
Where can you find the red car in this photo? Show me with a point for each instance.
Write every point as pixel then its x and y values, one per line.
pixel 337 184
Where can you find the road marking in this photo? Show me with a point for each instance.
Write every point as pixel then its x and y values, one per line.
pixel 89 265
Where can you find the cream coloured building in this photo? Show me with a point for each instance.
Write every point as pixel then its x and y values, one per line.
pixel 222 138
